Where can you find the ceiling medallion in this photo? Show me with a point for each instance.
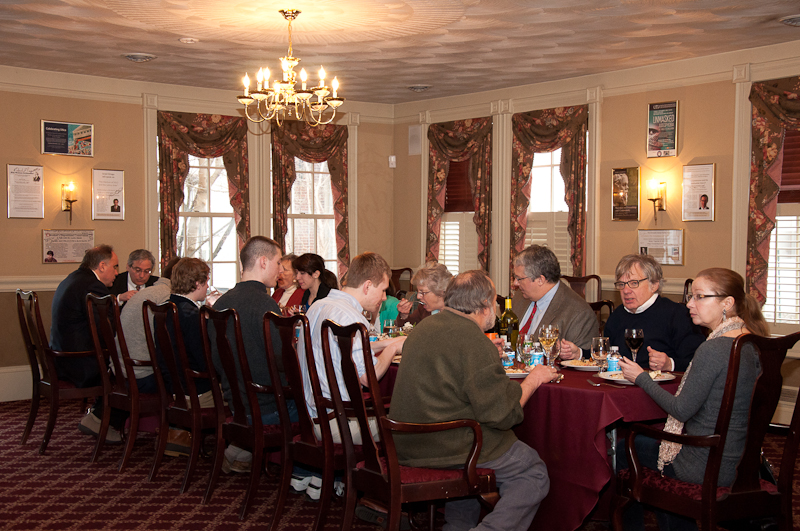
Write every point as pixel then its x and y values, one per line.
pixel 139 57
pixel 282 99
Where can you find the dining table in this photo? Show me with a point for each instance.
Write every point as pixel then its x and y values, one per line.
pixel 568 424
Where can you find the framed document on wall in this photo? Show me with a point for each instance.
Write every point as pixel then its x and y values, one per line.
pixel 698 192
pixel 65 246
pixel 63 138
pixel 108 194
pixel 662 129
pixel 25 191
pixel 666 246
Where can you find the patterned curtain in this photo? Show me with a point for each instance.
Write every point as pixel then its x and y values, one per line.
pixel 459 141
pixel 200 135
pixel 541 132
pixel 311 144
pixel 776 107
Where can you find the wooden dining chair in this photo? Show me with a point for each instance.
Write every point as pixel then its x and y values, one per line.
pixel 379 476
pixel 304 447
pixel 750 497
pixel 687 288
pixel 245 427
pixel 578 285
pixel 41 359
pixel 401 278
pixel 109 341
pixel 176 410
pixel 598 307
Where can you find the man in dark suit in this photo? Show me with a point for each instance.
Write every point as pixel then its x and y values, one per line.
pixel 138 275
pixel 537 274
pixel 70 330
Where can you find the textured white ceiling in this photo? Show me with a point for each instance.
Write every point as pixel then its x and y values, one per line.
pixel 378 49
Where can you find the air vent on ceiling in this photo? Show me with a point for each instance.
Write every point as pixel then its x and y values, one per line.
pixel 139 57
pixel 419 88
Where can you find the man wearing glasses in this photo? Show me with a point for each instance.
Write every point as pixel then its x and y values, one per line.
pixel 138 276
pixel 670 337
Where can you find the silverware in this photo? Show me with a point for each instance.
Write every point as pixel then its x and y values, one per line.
pixel 558 380
pixel 604 383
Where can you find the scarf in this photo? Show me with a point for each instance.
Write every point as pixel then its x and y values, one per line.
pixel 668 450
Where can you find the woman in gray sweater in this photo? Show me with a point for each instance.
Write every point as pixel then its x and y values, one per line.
pixel 718 302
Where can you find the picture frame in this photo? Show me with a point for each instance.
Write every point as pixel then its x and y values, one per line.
pixel 25 191
pixel 65 246
pixel 66 138
pixel 666 246
pixel 625 194
pixel 108 195
pixel 662 129
pixel 697 196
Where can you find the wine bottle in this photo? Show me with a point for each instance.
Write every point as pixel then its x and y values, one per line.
pixel 509 325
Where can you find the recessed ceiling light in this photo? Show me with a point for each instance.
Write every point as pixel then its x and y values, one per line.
pixel 791 20
pixel 419 88
pixel 139 57
pixel 189 40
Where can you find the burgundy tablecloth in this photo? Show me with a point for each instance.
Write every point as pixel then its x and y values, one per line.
pixel 566 423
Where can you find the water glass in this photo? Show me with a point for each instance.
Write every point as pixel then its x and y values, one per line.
pixel 599 351
pixel 525 349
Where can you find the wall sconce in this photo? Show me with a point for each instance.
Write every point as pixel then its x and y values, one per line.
pixel 68 196
pixel 658 195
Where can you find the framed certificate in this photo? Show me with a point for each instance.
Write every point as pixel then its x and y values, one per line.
pixel 666 246
pixel 108 194
pixel 698 192
pixel 25 191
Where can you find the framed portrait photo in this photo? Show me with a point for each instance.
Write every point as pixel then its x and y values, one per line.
pixel 625 194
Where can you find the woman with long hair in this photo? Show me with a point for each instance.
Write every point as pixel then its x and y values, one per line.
pixel 718 302
pixel 312 277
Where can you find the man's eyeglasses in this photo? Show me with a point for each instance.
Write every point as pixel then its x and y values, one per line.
pixel 701 296
pixel 633 284
pixel 519 279
pixel 139 270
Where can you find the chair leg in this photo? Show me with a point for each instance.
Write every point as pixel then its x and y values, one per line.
pixel 255 475
pixel 51 422
pixel 32 415
pixel 216 466
pixel 350 500
pixel 161 446
pixel 431 515
pixel 101 437
pixel 194 454
pixel 620 504
pixel 395 513
pixel 283 487
pixel 133 431
pixel 325 493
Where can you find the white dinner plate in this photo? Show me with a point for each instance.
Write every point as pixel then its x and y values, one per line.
pixel 616 377
pixel 578 366
pixel 516 374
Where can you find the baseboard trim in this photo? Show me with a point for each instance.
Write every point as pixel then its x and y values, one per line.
pixel 15 383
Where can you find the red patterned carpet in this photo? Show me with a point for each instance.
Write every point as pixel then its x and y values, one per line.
pixel 63 491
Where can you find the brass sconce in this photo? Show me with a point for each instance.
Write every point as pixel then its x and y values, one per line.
pixel 658 195
pixel 68 196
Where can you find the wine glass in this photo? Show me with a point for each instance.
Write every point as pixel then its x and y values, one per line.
pixel 548 337
pixel 599 350
pixel 525 349
pixel 634 338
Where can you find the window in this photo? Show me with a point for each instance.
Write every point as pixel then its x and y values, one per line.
pixel 458 242
pixel 548 213
pixel 311 226
pixel 782 306
pixel 207 229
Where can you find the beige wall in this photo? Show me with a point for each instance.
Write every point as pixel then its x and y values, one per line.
pixel 408 205
pixel 375 191
pixel 705 135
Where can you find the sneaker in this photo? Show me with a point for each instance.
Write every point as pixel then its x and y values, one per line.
pixel 90 425
pixel 179 443
pixel 338 488
pixel 299 483
pixel 313 489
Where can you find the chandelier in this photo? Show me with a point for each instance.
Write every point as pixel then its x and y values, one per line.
pixel 282 99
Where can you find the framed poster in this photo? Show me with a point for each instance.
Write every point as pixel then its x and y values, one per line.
pixel 662 129
pixel 666 246
pixel 25 191
pixel 108 194
pixel 65 246
pixel 63 138
pixel 625 194
pixel 698 192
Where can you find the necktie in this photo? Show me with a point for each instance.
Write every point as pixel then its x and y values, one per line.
pixel 138 287
pixel 527 326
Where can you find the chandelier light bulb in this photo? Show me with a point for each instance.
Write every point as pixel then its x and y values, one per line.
pixel 260 78
pixel 321 76
pixel 335 85
pixel 303 77
pixel 246 82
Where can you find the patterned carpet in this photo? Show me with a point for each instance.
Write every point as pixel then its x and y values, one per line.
pixel 63 491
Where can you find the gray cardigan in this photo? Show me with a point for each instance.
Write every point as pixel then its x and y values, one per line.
pixel 698 407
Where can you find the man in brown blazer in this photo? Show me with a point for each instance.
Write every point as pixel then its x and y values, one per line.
pixel 537 276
